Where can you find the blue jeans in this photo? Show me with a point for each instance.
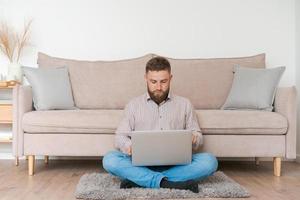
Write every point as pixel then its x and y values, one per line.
pixel 119 164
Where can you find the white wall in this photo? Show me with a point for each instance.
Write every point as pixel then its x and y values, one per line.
pixel 116 29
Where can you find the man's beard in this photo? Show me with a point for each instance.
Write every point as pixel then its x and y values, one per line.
pixel 158 98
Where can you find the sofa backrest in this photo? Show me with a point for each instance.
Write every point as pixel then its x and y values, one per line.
pixel 111 84
pixel 207 82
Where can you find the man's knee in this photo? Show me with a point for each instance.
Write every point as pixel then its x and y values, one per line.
pixel 207 160
pixel 110 161
pixel 212 162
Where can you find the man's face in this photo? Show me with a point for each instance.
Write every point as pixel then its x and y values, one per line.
pixel 158 84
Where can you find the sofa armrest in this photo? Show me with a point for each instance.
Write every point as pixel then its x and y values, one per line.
pixel 22 103
pixel 285 103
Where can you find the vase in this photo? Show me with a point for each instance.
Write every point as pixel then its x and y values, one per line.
pixel 14 72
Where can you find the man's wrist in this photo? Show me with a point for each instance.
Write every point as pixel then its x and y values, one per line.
pixel 126 146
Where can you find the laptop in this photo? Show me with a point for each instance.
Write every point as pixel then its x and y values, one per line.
pixel 166 147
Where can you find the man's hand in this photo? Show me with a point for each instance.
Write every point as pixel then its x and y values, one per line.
pixel 129 150
pixel 194 138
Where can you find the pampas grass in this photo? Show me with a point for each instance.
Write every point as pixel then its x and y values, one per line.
pixel 12 43
pixel 7 41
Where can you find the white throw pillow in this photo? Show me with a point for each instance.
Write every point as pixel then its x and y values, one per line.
pixel 51 88
pixel 253 88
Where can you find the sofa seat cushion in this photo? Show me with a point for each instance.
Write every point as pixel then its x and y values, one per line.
pixel 241 122
pixel 106 121
pixel 72 121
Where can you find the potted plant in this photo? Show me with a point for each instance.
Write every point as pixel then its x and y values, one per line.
pixel 11 45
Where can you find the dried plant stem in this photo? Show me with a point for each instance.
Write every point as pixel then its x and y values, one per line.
pixel 12 44
pixel 22 41
pixel 7 44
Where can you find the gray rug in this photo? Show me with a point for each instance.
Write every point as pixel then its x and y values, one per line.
pixel 105 186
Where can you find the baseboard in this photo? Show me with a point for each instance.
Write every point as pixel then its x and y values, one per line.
pixel 6 156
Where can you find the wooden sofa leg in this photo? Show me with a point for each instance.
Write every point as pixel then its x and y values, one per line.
pixel 17 161
pixel 256 161
pixel 46 159
pixel 31 163
pixel 277 166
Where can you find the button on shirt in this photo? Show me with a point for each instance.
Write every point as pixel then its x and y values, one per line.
pixel 142 113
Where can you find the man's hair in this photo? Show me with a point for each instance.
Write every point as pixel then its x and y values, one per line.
pixel 158 64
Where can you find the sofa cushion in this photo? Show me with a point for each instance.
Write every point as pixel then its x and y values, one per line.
pixel 111 84
pixel 241 122
pixel 253 88
pixel 102 84
pixel 106 121
pixel 51 88
pixel 207 82
pixel 72 121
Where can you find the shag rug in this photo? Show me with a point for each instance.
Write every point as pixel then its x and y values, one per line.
pixel 104 186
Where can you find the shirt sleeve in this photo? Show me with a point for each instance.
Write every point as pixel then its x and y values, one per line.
pixel 193 125
pixel 122 139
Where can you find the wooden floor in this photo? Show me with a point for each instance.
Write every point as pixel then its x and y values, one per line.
pixel 58 180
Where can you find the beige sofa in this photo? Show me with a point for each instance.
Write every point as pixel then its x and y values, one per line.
pixel 101 89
